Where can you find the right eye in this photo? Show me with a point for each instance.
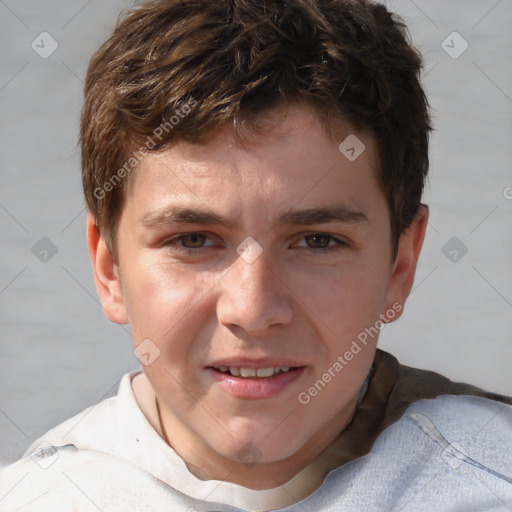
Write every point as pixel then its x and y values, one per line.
pixel 187 242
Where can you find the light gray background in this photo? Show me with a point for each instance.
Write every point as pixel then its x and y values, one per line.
pixel 58 354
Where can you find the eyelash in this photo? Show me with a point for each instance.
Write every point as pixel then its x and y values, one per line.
pixel 174 243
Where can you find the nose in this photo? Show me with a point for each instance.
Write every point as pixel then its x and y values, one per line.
pixel 254 297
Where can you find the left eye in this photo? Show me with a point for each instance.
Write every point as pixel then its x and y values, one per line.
pixel 321 241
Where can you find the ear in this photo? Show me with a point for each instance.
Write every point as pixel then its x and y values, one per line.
pixel 106 275
pixel 404 266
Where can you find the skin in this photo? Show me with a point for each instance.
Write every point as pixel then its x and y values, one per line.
pixel 294 301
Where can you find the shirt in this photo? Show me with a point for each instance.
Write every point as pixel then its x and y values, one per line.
pixel 391 454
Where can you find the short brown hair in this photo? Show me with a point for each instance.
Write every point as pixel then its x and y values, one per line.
pixel 204 63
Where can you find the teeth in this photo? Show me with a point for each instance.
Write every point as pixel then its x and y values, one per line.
pixel 247 372
pixel 253 372
pixel 265 372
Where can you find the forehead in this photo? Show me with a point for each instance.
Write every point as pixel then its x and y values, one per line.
pixel 294 159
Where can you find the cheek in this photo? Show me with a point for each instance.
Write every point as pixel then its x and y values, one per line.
pixel 343 301
pixel 163 302
pixel 171 308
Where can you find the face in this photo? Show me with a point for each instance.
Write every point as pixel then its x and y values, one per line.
pixel 246 259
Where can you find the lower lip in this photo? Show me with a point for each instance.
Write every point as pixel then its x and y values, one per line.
pixel 256 388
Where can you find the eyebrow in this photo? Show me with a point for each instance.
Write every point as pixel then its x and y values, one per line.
pixel 304 217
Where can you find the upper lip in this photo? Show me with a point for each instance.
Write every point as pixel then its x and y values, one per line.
pixel 242 362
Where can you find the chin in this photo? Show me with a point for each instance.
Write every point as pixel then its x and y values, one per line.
pixel 252 451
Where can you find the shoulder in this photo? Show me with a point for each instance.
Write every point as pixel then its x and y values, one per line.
pixel 445 453
pixel 406 385
pixel 96 427
pixel 472 428
pixel 449 408
pixel 66 477
pixel 89 462
pixel 459 447
pixel 484 425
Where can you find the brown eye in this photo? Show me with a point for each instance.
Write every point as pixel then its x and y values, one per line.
pixel 321 242
pixel 192 241
pixel 318 241
pixel 189 243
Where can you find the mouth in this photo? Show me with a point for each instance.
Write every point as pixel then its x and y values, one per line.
pixel 255 380
pixel 254 373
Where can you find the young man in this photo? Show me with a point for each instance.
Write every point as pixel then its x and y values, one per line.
pixel 253 172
